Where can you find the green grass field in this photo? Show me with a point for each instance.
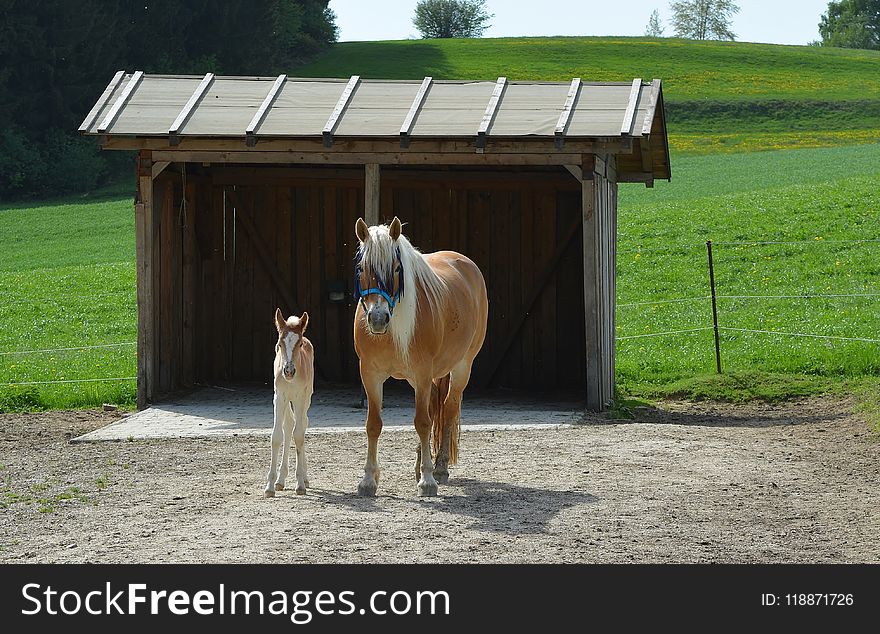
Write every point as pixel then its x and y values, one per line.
pixel 720 96
pixel 67 274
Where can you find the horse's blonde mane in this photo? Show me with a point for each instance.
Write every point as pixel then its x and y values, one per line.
pixel 378 255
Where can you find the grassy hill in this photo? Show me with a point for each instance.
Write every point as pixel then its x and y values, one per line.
pixel 720 96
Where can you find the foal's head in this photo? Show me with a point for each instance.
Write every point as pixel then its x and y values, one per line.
pixel 378 275
pixel 290 338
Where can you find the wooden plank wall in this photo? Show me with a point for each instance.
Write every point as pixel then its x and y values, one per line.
pixel 215 299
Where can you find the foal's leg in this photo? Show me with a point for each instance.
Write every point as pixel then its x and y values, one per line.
pixel 427 485
pixel 289 422
pixel 299 437
pixel 458 381
pixel 277 438
pixel 373 388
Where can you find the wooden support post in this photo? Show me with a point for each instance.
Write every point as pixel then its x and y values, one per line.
pixel 591 285
pixel 145 227
pixel 371 194
pixel 599 228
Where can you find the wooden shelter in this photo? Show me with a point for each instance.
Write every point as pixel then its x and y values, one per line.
pixel 249 187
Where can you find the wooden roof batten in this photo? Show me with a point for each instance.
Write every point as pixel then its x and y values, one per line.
pixel 630 112
pixel 188 109
pixel 565 118
pixel 339 110
pixel 414 109
pixel 108 121
pixel 250 132
pixel 491 111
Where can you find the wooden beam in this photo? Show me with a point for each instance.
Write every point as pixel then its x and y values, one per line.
pixel 188 108
pixel 159 166
pixel 385 145
pixel 635 177
pixel 414 109
pixel 630 113
pixel 110 119
pixel 371 194
pixel 567 110
pixel 390 158
pixel 89 121
pixel 251 131
pixel 491 111
pixel 537 289
pixel 339 110
pixel 576 171
pixel 652 107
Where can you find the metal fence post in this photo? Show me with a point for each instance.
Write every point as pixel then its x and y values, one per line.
pixel 714 307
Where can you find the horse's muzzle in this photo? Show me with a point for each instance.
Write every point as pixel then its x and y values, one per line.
pixel 377 321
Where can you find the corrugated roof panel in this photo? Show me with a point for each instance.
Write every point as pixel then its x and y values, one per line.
pixel 301 108
pixel 453 109
pixel 145 120
pixel 227 107
pixel 595 122
pixel 529 109
pixel 377 109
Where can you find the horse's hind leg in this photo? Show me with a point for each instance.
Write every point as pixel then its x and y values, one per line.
pixel 299 437
pixel 447 452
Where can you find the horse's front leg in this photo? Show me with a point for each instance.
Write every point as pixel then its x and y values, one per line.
pixel 301 406
pixel 427 484
pixel 289 422
pixel 373 387
pixel 277 439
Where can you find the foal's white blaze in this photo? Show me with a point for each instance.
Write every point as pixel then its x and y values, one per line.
pixel 290 341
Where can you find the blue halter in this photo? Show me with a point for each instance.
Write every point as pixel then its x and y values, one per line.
pixel 382 289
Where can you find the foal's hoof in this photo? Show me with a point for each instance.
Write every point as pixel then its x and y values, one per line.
pixel 442 477
pixel 300 490
pixel 427 490
pixel 367 490
pixel 279 486
pixel 307 483
pixel 269 493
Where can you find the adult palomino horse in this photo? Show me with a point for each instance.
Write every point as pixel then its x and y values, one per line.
pixel 421 317
pixel 294 384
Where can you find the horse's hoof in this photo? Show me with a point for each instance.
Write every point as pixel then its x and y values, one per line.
pixel 427 490
pixel 367 490
pixel 269 493
pixel 279 486
pixel 300 490
pixel 442 477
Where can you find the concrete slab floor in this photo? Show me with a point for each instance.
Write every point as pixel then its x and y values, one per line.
pixel 247 410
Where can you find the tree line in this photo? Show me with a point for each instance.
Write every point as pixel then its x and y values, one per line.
pixel 59 55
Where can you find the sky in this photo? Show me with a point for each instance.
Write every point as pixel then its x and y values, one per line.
pixel 769 21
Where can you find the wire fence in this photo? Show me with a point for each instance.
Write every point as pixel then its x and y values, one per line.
pixel 712 296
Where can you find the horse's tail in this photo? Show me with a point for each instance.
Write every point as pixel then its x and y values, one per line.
pixel 439 391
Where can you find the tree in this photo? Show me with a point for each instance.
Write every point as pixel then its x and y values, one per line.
pixel 452 18
pixel 704 19
pixel 655 27
pixel 851 24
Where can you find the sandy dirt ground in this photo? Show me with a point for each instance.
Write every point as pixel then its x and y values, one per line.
pixel 681 483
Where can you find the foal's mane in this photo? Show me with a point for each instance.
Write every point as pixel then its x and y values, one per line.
pixel 377 255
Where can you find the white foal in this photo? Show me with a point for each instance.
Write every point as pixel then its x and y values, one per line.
pixel 294 384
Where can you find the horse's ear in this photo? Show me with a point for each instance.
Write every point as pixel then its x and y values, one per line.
pixel 303 323
pixel 394 229
pixel 280 322
pixel 361 230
